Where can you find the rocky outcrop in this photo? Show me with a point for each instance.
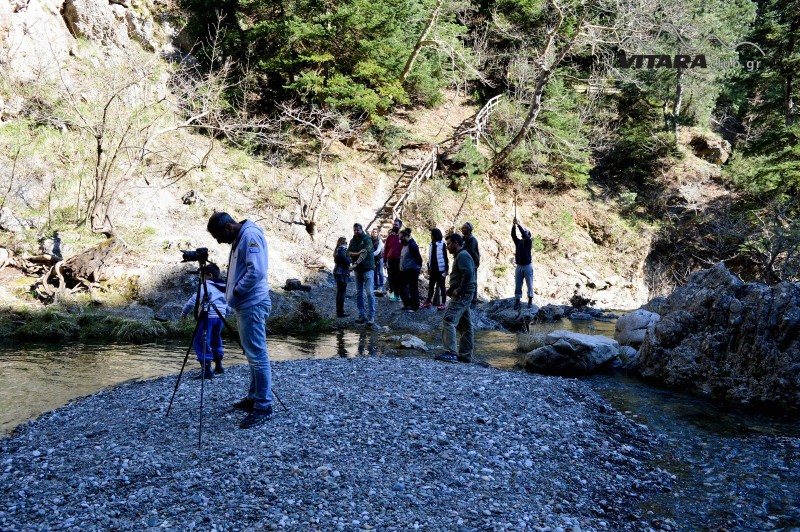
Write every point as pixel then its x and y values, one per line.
pixel 33 39
pixel 711 148
pixel 568 353
pixel 503 312
pixel 723 338
pixel 630 329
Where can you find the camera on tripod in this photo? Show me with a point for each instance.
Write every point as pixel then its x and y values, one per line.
pixel 199 255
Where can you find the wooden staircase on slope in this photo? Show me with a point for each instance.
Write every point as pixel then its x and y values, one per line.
pixel 408 182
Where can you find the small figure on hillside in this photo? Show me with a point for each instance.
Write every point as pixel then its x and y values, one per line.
pixel 247 293
pixel 391 252
pixel 471 246
pixel 524 270
pixel 361 253
pixel 457 319
pixel 341 273
pixel 410 266
pixel 377 246
pixel 210 327
pixel 438 266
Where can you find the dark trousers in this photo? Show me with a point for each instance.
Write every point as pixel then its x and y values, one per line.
pixel 395 283
pixel 341 289
pixel 436 280
pixel 409 292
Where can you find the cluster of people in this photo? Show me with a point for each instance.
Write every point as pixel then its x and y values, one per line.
pixel 245 292
pixel 365 256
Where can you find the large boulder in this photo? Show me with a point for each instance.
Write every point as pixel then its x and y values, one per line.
pixel 503 312
pixel 567 353
pixel 630 329
pixel 722 338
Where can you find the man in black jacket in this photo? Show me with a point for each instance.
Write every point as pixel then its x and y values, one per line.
pixel 522 256
pixel 471 247
pixel 410 266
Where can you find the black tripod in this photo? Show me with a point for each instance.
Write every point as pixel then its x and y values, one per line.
pixel 201 309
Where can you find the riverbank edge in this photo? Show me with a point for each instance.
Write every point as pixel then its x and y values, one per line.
pixel 412 439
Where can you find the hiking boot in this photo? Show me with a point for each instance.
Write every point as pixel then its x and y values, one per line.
pixel 256 417
pixel 465 358
pixel 530 302
pixel 441 307
pixel 205 372
pixel 361 319
pixel 342 315
pixel 218 369
pixel 516 304
pixel 426 304
pixel 446 357
pixel 245 405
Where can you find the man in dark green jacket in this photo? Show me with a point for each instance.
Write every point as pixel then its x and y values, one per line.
pixel 362 254
pixel 458 336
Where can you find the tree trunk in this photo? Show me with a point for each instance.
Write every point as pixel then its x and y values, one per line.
pixel 676 108
pixel 545 74
pixel 92 264
pixel 421 41
pixel 533 113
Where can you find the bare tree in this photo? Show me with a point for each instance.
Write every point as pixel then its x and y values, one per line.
pixel 323 128
pixel 597 26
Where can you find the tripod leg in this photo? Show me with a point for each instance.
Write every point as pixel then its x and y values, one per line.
pixel 202 378
pixel 185 358
pixel 239 343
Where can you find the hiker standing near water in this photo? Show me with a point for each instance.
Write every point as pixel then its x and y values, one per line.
pixel 458 335
pixel 438 265
pixel 361 253
pixel 410 266
pixel 211 330
pixel 471 247
pixel 522 256
pixel 247 294
pixel 341 273
pixel 377 245
pixel 391 252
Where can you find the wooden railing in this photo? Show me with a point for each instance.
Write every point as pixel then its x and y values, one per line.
pixel 425 171
pixel 482 119
pixel 428 169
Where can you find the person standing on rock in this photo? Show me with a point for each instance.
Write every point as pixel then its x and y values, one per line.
pixel 361 253
pixel 438 265
pixel 458 335
pixel 341 273
pixel 410 266
pixel 471 246
pixel 391 252
pixel 247 293
pixel 377 245
pixel 522 256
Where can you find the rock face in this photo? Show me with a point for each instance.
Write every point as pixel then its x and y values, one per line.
pixel 568 353
pixel 723 338
pixel 630 329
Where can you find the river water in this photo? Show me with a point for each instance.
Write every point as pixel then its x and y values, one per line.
pixel 733 470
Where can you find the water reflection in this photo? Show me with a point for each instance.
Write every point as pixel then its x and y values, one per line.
pixel 39 377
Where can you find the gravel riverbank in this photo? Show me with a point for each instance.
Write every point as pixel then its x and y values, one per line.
pixel 367 443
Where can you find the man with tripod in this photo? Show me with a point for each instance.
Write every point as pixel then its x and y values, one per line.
pixel 248 295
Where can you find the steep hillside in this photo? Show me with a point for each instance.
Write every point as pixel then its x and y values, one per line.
pixel 582 242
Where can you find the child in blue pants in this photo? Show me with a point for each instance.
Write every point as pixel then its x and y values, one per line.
pixel 212 323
